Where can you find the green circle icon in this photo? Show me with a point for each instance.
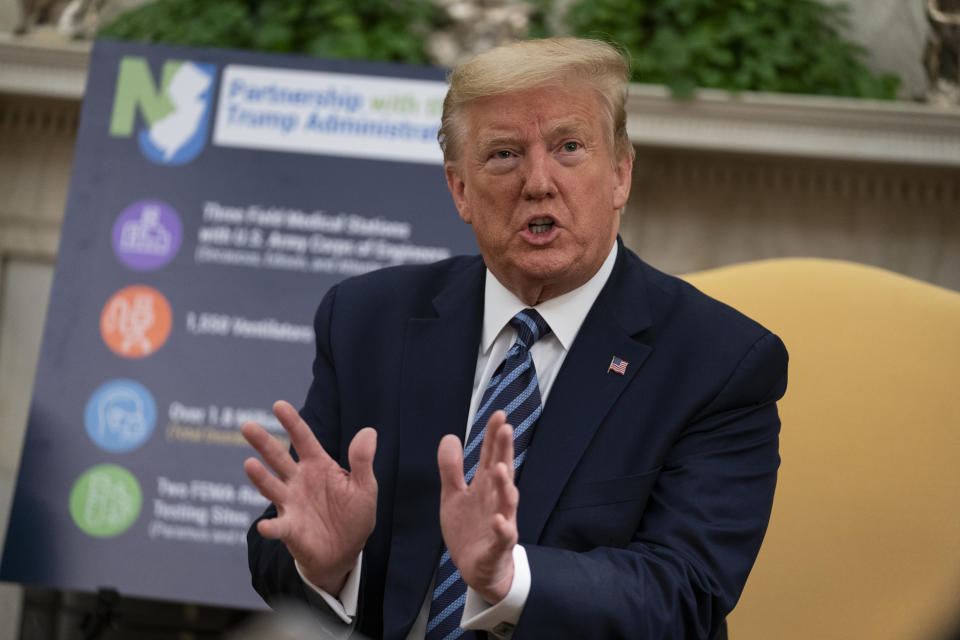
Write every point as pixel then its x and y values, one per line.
pixel 105 500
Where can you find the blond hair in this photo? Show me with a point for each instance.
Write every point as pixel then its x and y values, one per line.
pixel 535 63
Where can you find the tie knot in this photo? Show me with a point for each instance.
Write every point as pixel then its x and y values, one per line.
pixel 530 327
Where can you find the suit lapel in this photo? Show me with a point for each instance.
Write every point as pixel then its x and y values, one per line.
pixel 584 391
pixel 439 362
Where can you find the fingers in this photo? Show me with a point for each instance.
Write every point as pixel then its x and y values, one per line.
pixel 498 443
pixel 504 449
pixel 269 486
pixel 496 418
pixel 492 450
pixel 505 532
pixel 504 520
pixel 450 463
pixel 270 449
pixel 304 442
pixel 508 496
pixel 274 528
pixel 361 452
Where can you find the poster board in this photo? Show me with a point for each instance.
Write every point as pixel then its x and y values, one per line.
pixel 215 197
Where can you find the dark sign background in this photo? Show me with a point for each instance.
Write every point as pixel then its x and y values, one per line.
pixel 45 545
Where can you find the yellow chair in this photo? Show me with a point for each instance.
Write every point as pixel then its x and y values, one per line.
pixel 864 541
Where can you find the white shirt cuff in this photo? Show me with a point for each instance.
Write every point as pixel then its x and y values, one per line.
pixel 500 619
pixel 345 603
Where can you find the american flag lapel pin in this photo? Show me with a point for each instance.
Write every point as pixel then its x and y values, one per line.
pixel 618 365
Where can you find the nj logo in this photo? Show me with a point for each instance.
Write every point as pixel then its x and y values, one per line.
pixel 177 116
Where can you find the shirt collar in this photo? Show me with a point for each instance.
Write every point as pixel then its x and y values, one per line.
pixel 564 313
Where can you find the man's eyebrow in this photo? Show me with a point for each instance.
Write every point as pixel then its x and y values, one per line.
pixel 505 140
pixel 558 130
pixel 563 129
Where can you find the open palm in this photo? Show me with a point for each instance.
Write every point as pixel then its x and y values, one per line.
pixel 324 513
pixel 479 520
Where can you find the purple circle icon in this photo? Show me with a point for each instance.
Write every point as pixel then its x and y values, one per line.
pixel 147 235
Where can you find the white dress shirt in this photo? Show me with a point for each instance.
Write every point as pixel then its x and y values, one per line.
pixel 565 314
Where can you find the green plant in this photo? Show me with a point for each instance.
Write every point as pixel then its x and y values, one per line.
pixel 788 46
pixel 391 30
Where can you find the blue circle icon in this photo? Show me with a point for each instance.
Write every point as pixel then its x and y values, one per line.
pixel 120 415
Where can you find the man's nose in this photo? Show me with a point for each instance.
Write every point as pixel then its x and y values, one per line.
pixel 539 181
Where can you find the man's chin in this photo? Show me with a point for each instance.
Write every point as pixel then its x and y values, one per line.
pixel 544 265
pixel 554 277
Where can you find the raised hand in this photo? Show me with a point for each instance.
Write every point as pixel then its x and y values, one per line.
pixel 479 520
pixel 324 513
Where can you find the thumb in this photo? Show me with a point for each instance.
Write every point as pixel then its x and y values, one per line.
pixel 360 454
pixel 450 463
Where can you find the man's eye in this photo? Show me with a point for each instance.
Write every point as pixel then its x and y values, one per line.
pixel 503 154
pixel 570 147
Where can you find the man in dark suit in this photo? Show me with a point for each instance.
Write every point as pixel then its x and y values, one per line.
pixel 645 455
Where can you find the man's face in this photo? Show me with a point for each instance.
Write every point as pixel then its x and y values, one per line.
pixel 537 180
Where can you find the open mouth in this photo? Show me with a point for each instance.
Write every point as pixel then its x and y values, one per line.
pixel 540 225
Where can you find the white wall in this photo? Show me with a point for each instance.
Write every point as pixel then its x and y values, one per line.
pixel 895 33
pixel 9 15
pixel 24 290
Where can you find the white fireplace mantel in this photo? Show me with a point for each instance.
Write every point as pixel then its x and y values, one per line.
pixel 792 125
pixel 768 123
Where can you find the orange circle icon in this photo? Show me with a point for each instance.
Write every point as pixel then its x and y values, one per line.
pixel 135 322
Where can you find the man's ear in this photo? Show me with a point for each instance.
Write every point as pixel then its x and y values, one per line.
pixel 623 181
pixel 458 189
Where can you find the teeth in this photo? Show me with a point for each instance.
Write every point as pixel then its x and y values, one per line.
pixel 540 225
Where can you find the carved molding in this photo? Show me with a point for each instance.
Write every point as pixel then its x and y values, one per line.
pixel 39 118
pixel 48 70
pixel 37 137
pixel 806 126
pixel 29 238
pixel 907 186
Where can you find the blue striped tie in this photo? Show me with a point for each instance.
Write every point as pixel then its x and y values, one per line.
pixel 514 389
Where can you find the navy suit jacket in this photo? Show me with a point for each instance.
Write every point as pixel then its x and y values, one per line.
pixel 644 496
